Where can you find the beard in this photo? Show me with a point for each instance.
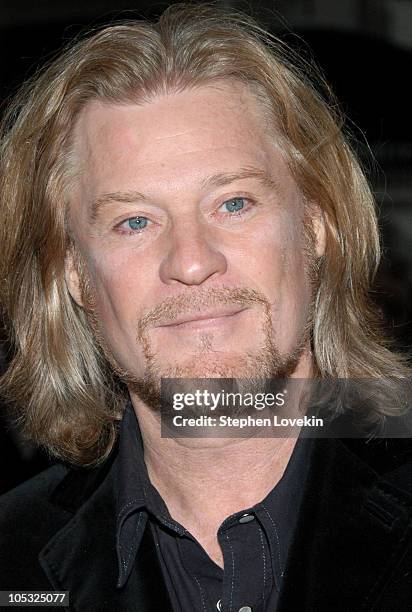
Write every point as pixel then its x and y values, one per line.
pixel 251 370
pixel 248 370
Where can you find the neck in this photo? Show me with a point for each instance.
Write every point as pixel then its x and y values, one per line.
pixel 211 478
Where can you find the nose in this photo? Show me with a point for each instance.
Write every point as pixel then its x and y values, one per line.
pixel 192 256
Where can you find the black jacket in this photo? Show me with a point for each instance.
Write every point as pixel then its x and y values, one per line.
pixel 352 550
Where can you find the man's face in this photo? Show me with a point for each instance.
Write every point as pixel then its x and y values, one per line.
pixel 185 210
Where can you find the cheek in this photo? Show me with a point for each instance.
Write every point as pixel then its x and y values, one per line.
pixel 118 285
pixel 272 257
pixel 277 269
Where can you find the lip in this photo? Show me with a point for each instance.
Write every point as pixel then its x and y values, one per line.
pixel 205 318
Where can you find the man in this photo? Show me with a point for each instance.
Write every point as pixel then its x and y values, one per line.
pixel 179 202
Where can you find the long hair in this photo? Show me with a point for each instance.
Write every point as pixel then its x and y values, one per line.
pixel 69 400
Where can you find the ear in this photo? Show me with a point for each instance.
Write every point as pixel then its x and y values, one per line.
pixel 72 278
pixel 319 229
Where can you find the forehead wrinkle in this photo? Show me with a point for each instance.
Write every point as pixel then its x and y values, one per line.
pixel 169 136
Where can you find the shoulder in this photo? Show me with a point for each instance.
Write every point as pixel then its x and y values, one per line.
pixel 34 494
pixel 28 509
pixel 41 484
pixel 35 512
pixel 389 458
pixel 383 454
pixel 28 518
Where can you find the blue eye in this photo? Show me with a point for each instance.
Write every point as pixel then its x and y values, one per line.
pixel 136 223
pixel 234 204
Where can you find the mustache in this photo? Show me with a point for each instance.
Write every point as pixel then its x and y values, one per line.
pixel 186 303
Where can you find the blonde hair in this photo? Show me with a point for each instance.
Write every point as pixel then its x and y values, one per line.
pixel 69 400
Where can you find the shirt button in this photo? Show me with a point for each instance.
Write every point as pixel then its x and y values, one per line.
pixel 219 605
pixel 246 518
pixel 245 609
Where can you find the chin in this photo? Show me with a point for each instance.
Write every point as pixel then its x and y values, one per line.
pixel 261 362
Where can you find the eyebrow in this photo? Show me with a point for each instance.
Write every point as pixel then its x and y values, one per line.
pixel 216 180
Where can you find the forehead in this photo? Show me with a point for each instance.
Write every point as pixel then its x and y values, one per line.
pixel 175 136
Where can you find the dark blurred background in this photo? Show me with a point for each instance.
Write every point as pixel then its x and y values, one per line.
pixel 365 50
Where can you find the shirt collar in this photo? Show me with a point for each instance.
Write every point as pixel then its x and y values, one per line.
pixel 136 498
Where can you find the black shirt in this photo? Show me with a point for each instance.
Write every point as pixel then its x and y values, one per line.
pixel 254 541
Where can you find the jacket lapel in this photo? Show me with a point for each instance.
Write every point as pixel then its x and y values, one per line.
pixel 351 535
pixel 352 532
pixel 81 558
